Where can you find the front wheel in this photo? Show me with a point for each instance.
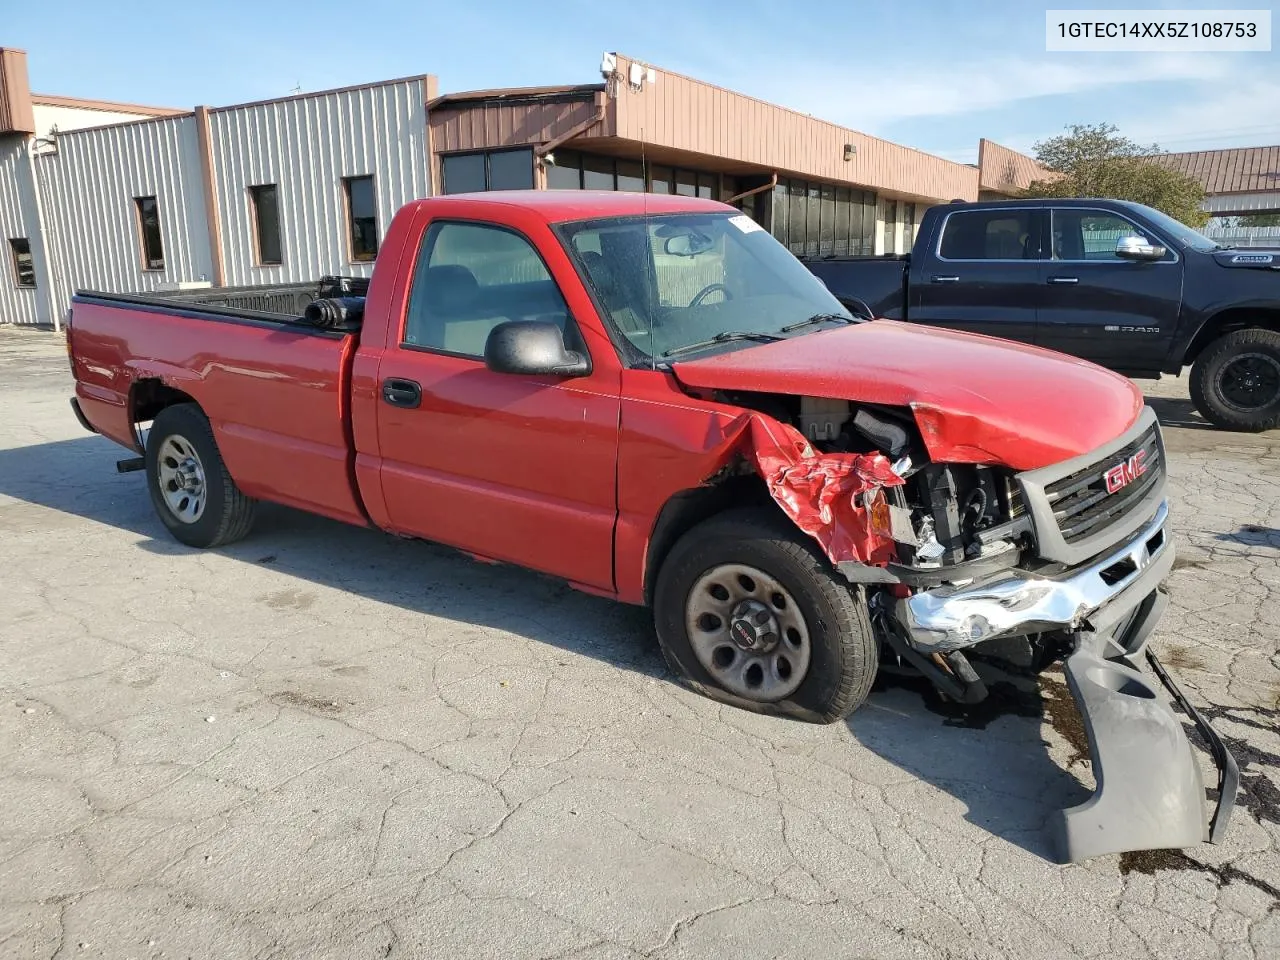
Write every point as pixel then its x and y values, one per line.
pixel 750 613
pixel 191 489
pixel 1235 382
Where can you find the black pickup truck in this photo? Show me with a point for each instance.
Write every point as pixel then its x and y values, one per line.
pixel 1117 283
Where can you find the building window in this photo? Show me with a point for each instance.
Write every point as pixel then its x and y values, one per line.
pixel 464 173
pixel 265 202
pixel 631 176
pixel 362 217
pixel 908 226
pixel 890 225
pixel 597 173
pixel 566 172
pixel 587 171
pixel 24 270
pixel 149 231
pixel 815 219
pixel 488 170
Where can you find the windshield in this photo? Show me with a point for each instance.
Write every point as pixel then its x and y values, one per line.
pixel 670 281
pixel 1180 231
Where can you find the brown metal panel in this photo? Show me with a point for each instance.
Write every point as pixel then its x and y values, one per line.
pixel 106 106
pixel 1006 171
pixel 679 113
pixel 205 141
pixel 16 115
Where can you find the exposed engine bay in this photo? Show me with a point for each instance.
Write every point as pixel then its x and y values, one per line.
pixel 947 523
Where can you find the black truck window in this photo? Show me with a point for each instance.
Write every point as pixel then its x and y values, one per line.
pixel 989 235
pixel 1091 234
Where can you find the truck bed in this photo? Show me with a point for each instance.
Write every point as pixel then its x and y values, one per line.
pixel 878 282
pixel 275 389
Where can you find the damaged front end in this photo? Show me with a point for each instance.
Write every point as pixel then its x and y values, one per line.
pixel 1061 561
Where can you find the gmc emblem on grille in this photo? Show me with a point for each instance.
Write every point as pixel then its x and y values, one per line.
pixel 1123 474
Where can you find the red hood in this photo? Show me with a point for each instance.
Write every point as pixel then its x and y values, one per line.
pixel 976 399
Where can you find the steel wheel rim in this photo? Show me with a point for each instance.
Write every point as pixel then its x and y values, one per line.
pixel 180 474
pixel 748 632
pixel 1250 381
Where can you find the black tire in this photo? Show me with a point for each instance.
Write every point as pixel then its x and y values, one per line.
pixel 1222 373
pixel 844 652
pixel 227 514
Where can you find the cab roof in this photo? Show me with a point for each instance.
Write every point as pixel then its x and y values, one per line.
pixel 564 206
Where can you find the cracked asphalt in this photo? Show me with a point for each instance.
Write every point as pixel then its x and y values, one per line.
pixel 323 742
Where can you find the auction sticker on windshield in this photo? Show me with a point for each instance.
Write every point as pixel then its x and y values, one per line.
pixel 745 223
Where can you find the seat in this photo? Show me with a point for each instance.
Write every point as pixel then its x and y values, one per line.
pixel 448 296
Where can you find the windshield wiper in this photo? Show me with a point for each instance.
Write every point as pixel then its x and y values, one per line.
pixel 818 318
pixel 725 337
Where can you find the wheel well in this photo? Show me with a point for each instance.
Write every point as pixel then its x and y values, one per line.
pixel 1229 321
pixel 149 396
pixel 688 508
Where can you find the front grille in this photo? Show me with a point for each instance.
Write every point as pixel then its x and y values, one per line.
pixel 1080 502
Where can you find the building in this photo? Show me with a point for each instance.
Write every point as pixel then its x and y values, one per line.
pixel 1236 182
pixel 136 199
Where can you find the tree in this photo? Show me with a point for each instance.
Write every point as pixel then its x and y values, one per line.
pixel 1259 220
pixel 1095 161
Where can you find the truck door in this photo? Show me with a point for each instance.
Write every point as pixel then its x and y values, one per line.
pixel 983 275
pixel 1119 313
pixel 514 468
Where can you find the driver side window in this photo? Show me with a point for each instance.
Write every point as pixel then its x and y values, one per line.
pixel 1090 234
pixel 469 278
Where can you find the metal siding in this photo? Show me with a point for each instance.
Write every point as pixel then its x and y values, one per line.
pixel 17 219
pixel 88 188
pixel 474 127
pixel 306 145
pixel 1006 171
pixel 1236 170
pixel 681 113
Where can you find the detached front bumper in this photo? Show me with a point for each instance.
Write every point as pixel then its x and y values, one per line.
pixel 1149 795
pixel 1103 594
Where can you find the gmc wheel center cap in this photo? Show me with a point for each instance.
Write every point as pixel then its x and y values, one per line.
pixel 753 626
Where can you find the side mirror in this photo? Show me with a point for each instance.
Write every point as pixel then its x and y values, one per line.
pixel 532 348
pixel 1138 248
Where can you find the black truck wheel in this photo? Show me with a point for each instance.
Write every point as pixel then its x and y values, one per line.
pixel 749 612
pixel 1235 382
pixel 190 487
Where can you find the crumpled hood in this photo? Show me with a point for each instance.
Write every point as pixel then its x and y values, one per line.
pixel 976 399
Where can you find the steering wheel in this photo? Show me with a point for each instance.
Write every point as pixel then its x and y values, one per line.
pixel 707 291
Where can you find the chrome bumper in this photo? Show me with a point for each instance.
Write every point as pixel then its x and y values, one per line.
pixel 1101 594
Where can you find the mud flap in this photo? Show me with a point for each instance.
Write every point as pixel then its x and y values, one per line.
pixel 1150 795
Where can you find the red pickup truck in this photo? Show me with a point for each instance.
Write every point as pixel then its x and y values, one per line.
pixel 648 397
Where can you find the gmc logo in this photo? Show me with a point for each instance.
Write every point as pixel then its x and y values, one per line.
pixel 1123 474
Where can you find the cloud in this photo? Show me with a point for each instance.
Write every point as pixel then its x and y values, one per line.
pixel 1236 116
pixel 858 99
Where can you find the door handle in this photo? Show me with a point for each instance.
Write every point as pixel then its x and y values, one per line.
pixel 1064 279
pixel 937 279
pixel 401 393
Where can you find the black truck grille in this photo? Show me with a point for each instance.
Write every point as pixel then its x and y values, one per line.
pixel 1087 502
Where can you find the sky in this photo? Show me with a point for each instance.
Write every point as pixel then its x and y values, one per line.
pixel 932 74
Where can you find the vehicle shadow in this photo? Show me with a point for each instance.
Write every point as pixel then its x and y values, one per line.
pixel 990 758
pixel 1178 412
pixel 1252 535
pixel 78 477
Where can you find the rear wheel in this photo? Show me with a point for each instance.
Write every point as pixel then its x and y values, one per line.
pixel 1235 382
pixel 750 613
pixel 190 487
